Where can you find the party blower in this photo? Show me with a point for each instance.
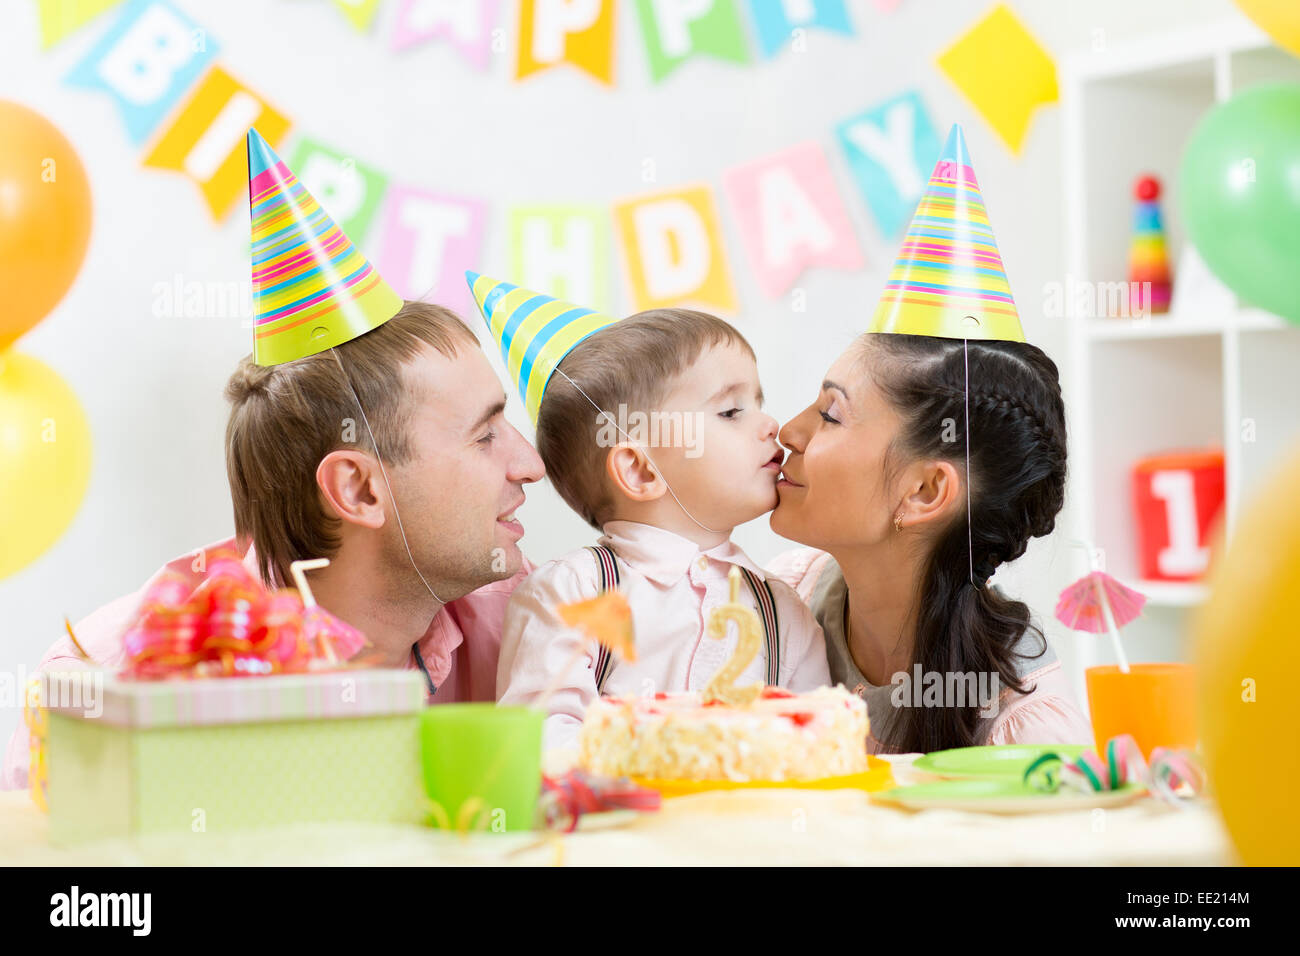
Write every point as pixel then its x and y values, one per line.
pixel 1154 702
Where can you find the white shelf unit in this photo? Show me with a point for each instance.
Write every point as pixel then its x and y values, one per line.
pixel 1226 376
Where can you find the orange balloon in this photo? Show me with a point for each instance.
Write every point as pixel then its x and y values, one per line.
pixel 1247 659
pixel 45 212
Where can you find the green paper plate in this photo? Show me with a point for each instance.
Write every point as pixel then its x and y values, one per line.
pixel 1000 796
pixel 998 762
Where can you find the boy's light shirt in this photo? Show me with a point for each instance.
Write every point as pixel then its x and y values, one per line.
pixel 671 586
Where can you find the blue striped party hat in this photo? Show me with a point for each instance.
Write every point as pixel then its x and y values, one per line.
pixel 535 332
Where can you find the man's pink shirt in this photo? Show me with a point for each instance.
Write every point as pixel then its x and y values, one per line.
pixel 459 650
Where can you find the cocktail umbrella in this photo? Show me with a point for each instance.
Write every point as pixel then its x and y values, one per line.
pixel 1097 603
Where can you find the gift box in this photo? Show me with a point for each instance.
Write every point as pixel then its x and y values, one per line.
pixel 128 757
pixel 1177 498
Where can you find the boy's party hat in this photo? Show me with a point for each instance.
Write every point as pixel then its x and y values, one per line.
pixel 948 279
pixel 535 332
pixel 1148 261
pixel 312 288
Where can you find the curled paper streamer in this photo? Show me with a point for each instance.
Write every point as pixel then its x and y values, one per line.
pixel 1174 772
pixel 566 798
pixel 472 815
pixel 1171 774
pixel 34 716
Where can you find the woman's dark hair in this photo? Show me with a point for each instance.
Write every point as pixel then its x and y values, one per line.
pixel 1017 488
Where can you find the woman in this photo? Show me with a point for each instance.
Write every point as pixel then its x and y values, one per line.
pixel 876 482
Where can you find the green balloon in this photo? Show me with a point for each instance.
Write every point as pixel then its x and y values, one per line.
pixel 1239 192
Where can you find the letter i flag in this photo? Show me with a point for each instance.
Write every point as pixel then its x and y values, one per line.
pixel 206 140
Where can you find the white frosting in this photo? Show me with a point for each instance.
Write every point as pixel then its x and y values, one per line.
pixel 675 737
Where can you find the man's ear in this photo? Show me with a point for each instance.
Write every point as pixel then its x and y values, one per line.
pixel 350 482
pixel 632 473
pixel 933 491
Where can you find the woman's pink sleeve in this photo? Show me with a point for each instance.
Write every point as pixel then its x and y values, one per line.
pixel 799 568
pixel 1046 716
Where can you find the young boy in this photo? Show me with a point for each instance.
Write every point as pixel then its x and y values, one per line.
pixel 652 429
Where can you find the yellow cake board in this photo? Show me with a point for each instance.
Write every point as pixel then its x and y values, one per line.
pixel 877 777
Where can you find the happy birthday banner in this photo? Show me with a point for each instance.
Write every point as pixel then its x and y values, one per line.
pixel 190 116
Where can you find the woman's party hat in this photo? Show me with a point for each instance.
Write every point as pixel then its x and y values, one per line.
pixel 948 279
pixel 535 332
pixel 312 288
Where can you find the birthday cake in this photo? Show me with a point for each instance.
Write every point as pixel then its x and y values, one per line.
pixel 779 736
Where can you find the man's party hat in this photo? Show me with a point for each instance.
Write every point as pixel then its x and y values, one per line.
pixel 948 279
pixel 535 332
pixel 312 288
pixel 1148 261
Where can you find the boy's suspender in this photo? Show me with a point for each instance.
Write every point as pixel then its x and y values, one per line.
pixel 763 597
pixel 766 602
pixel 608 568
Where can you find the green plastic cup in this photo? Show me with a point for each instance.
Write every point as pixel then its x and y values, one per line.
pixel 482 765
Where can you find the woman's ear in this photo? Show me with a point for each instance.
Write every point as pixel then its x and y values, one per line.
pixel 633 474
pixel 933 492
pixel 349 481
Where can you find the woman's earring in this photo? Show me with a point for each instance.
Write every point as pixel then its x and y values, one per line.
pixel 898 521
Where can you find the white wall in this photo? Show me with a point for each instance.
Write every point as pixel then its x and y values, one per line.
pixel 152 387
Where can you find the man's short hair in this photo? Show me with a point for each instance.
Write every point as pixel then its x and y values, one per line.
pixel 633 363
pixel 285 418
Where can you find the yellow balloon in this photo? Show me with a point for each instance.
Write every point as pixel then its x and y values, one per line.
pixel 44 459
pixel 1248 659
pixel 1280 19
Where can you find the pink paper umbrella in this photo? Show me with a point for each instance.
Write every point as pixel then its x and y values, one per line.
pixel 1097 603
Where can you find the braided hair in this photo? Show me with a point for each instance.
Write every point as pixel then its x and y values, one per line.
pixel 1017 488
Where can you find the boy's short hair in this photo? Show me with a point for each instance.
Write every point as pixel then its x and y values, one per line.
pixel 632 363
pixel 285 418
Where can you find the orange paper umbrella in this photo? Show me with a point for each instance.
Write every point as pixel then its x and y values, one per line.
pixel 606 619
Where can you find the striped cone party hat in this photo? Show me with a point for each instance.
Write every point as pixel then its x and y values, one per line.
pixel 535 332
pixel 312 288
pixel 948 279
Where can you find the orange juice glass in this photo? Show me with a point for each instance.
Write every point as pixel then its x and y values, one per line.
pixel 1156 703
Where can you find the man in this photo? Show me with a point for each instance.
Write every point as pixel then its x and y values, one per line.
pixel 374 435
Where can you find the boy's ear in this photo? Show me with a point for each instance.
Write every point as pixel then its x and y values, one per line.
pixel 349 482
pixel 632 473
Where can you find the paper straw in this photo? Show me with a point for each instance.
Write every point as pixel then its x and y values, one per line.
pixel 1110 625
pixel 297 570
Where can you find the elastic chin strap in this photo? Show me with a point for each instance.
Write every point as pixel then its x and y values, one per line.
pixel 970 549
pixel 658 473
pixel 383 471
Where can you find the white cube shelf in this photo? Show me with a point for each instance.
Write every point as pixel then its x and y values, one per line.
pixel 1226 375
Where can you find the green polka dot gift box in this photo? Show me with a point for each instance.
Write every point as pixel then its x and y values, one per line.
pixel 130 758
